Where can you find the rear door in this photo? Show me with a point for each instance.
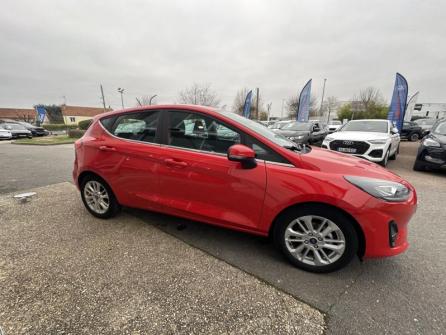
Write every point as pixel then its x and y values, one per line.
pixel 131 156
pixel 197 179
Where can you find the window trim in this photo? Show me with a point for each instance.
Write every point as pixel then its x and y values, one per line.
pixel 116 116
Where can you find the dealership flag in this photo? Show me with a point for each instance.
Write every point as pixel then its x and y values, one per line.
pixel 247 105
pixel 411 107
pixel 399 100
pixel 303 109
pixel 40 113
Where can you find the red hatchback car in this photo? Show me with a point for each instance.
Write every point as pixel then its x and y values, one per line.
pixel 320 207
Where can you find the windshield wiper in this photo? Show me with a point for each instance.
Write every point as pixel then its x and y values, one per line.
pixel 301 147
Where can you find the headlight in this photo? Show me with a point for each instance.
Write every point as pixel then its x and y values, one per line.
pixel 383 141
pixel 296 137
pixel 428 142
pixel 328 139
pixel 381 189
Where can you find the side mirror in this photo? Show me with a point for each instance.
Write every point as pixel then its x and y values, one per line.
pixel 394 130
pixel 316 128
pixel 241 153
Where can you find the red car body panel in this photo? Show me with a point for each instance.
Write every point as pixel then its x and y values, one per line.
pixel 208 187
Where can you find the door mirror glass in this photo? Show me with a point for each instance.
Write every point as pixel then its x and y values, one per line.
pixel 243 154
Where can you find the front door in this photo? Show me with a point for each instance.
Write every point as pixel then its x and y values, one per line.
pixel 197 179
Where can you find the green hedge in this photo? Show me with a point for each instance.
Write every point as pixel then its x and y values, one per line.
pixel 83 125
pixel 76 133
pixel 59 126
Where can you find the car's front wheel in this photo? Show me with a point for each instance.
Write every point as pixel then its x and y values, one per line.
pixel 316 238
pixel 98 197
pixel 385 159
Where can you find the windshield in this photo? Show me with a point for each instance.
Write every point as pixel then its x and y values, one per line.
pixel 367 126
pixel 297 126
pixel 278 125
pixel 440 128
pixel 13 126
pixel 261 130
pixel 425 122
pixel 335 123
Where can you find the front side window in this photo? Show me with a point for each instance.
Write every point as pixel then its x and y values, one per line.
pixel 199 132
pixel 137 126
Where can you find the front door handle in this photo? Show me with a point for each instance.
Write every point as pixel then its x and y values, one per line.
pixel 107 148
pixel 172 162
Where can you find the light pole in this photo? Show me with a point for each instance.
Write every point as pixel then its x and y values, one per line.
pixel 121 90
pixel 322 100
pixel 153 96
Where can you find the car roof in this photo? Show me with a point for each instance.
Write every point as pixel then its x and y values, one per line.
pixel 196 108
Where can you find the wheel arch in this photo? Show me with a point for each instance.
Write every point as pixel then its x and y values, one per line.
pixel 355 224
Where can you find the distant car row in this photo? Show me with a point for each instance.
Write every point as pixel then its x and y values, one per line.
pixel 17 129
pixel 375 140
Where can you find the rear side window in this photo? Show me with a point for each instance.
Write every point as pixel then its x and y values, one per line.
pixel 137 126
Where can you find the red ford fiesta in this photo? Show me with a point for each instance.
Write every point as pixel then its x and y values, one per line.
pixel 321 208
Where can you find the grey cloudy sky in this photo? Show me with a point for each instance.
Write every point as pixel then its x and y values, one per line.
pixel 51 49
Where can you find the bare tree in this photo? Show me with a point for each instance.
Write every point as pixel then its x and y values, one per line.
pixel 369 97
pixel 145 100
pixel 293 104
pixel 199 94
pixel 239 102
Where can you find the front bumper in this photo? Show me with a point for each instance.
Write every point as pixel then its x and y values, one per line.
pixel 370 151
pixel 376 219
pixel 434 157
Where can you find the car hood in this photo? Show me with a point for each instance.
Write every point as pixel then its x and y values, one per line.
pixel 293 132
pixel 358 135
pixel 440 138
pixel 333 162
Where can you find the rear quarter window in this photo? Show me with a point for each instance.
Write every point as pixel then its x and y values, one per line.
pixel 107 122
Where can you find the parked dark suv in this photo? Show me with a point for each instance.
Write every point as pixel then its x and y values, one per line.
pixel 411 131
pixel 304 132
pixel 432 151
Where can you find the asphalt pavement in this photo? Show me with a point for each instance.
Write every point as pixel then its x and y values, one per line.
pixel 62 271
pixel 400 295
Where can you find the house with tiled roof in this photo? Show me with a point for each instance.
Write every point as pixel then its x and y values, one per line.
pixel 74 114
pixel 18 114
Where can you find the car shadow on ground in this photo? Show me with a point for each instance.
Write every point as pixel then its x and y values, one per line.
pixel 258 256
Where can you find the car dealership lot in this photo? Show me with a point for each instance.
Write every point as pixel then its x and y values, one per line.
pixel 404 294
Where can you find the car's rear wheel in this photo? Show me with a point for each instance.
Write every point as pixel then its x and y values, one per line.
pixel 414 137
pixel 98 197
pixel 316 238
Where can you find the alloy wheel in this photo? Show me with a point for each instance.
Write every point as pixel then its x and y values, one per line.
pixel 315 240
pixel 96 197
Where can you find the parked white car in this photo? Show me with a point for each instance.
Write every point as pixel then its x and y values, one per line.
pixel 5 134
pixel 375 140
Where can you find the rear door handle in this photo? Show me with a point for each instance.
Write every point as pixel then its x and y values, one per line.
pixel 171 161
pixel 107 148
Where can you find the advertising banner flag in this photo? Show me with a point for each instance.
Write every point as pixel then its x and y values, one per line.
pixel 247 105
pixel 303 109
pixel 41 112
pixel 399 101
pixel 410 107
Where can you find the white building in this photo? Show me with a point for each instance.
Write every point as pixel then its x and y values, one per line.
pixel 431 110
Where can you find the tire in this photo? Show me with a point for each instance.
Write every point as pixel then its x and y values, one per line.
pixel 414 137
pixel 393 157
pixel 290 231
pixel 385 159
pixel 108 207
pixel 419 166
